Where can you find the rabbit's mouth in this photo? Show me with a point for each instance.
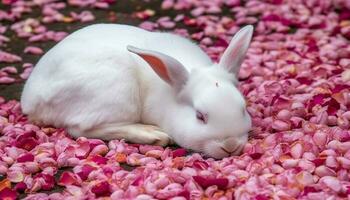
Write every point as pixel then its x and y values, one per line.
pixel 220 149
pixel 235 151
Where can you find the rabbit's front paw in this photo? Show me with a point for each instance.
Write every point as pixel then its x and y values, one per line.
pixel 154 136
pixel 134 133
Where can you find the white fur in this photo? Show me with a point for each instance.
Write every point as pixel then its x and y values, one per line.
pixel 92 85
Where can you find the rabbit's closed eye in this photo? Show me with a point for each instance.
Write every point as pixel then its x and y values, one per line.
pixel 202 117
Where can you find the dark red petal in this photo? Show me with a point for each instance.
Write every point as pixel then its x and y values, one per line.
pixel 99 159
pixel 261 197
pixel 221 43
pixel 297 169
pixel 8 194
pixel 20 187
pixel 336 30
pixel 333 106
pixel 312 44
pixel 138 181
pixel 286 22
pixel 271 17
pixel 338 71
pixel 344 15
pixel 30 134
pixel 206 182
pixel 276 1
pixel 179 152
pixel 26 143
pixel 101 189
pixel 342 194
pixel 220 182
pixel 308 189
pixel 339 87
pixel 318 26
pixel 86 170
pixel 8 2
pixel 28 157
pixel 348 189
pixel 109 1
pixel 201 181
pixel 185 194
pixel 304 80
pixel 255 156
pixel 319 161
pixel 317 100
pixel 134 145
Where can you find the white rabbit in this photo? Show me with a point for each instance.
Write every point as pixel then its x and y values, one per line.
pixel 113 81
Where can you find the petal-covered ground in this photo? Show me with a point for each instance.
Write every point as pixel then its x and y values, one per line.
pixel 296 79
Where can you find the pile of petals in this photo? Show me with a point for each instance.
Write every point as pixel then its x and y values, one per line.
pixel 296 80
pixel 34 29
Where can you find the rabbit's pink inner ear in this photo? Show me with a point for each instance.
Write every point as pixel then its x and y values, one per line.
pixel 157 65
pixel 166 67
pixel 234 55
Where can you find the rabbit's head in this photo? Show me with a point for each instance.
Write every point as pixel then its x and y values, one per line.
pixel 211 115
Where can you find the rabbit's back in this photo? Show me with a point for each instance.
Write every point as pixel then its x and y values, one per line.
pixel 90 78
pixel 85 81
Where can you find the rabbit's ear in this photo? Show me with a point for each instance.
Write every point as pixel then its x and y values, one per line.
pixel 234 55
pixel 167 68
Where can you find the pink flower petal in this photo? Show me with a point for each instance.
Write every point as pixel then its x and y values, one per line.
pixel 7 80
pixel 68 178
pixel 305 178
pixel 297 150
pixel 82 150
pixel 99 150
pixel 280 125
pixel 15 176
pixel 324 171
pixel 320 138
pixel 9 69
pixel 200 164
pixel 145 148
pixel 48 181
pixel 331 182
pixel 8 57
pixel 33 50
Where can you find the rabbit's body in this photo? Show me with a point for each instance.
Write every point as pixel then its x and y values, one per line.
pixel 92 85
pixel 106 63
